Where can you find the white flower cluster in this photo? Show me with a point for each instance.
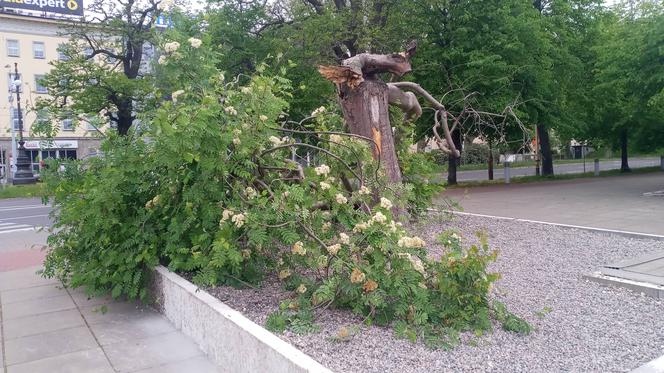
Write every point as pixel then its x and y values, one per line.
pixel 336 138
pixel 263 118
pixel 245 90
pixel 279 141
pixel 415 262
pixel 322 170
pixel 385 203
pixel 318 111
pixel 411 242
pixel 237 219
pixel 379 218
pixel 344 238
pixel 341 199
pixel 334 249
pixel 364 191
pixel 324 185
pixel 226 215
pixel 298 248
pixel 162 60
pixel 176 94
pixel 250 192
pixel 171 47
pixel 230 110
pixel 195 43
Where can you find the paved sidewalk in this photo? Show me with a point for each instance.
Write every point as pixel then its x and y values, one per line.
pixel 616 202
pixel 46 328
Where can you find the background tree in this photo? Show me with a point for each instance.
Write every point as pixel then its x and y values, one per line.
pixel 630 77
pixel 104 69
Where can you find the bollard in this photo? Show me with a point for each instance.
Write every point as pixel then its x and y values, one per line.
pixel 596 167
pixel 506 169
pixel 661 162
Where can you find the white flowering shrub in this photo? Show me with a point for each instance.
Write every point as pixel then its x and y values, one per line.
pixel 215 193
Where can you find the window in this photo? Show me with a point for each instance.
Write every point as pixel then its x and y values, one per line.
pixel 10 80
pixel 38 49
pixel 14 118
pixel 67 124
pixel 38 87
pixel 13 49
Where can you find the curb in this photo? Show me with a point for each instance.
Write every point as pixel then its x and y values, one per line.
pixel 229 339
pixel 655 366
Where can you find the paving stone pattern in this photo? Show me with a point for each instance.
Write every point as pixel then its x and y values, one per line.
pixel 46 328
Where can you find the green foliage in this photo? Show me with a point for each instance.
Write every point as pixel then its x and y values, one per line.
pixel 207 186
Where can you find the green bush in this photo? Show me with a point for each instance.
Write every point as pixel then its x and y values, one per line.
pixel 207 187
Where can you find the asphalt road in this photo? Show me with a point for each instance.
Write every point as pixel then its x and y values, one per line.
pixel 560 169
pixel 22 214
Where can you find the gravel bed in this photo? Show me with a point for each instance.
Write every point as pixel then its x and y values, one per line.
pixel 589 328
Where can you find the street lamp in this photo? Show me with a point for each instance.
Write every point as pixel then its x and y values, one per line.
pixel 23 173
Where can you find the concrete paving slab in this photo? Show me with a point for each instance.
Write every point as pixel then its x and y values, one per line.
pixel 114 312
pixel 88 361
pixel 40 346
pixel 21 295
pixel 197 364
pixel 37 306
pixel 23 278
pixel 151 352
pixel 145 326
pixel 83 300
pixel 46 322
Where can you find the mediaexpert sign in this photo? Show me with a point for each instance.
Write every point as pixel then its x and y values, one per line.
pixel 67 7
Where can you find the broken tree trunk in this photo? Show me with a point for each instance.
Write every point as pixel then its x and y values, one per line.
pixel 366 111
pixel 365 101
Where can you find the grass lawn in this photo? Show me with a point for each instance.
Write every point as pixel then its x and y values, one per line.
pixel 531 179
pixel 25 191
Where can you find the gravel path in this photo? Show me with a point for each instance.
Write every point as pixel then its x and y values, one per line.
pixel 589 328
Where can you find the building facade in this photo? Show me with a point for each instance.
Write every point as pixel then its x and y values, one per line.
pixel 32 42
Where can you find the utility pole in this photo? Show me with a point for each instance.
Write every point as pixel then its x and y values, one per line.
pixel 24 173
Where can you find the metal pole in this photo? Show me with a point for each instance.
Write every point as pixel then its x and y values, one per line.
pixel 583 153
pixel 661 162
pixel 596 167
pixel 24 173
pixel 506 170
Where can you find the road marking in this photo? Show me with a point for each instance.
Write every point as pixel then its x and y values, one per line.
pixel 25 217
pixel 19 230
pixel 603 230
pixel 14 227
pixel 3 209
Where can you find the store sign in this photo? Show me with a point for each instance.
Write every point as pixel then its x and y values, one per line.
pixel 66 7
pixel 55 144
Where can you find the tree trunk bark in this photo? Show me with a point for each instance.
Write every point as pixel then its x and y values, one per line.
pixel 366 113
pixel 624 164
pixel 490 163
pixel 545 150
pixel 454 162
pixel 125 116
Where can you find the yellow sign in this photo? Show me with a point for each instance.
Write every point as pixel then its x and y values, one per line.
pixel 67 7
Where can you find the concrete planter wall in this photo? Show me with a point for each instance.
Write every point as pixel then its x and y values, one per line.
pixel 232 341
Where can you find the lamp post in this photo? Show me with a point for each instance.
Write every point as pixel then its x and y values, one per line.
pixel 23 173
